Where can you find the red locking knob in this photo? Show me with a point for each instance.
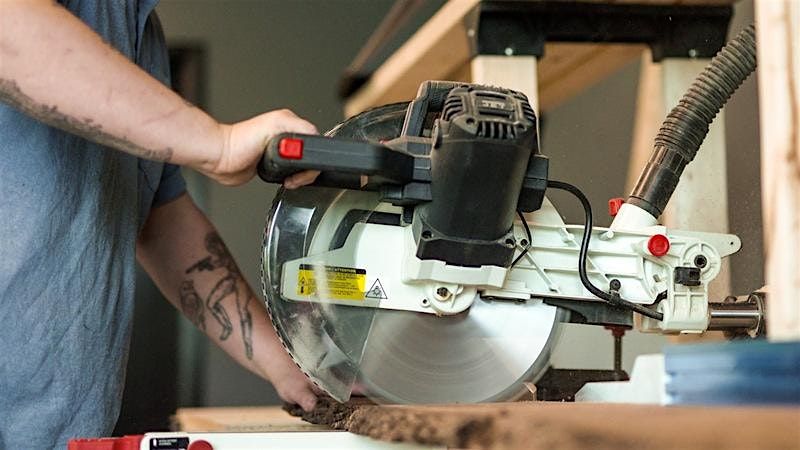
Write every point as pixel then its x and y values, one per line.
pixel 614 205
pixel 658 245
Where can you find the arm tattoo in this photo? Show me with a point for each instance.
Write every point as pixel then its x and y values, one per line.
pixel 11 94
pixel 230 285
pixel 192 305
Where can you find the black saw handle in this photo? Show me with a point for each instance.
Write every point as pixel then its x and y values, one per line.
pixel 341 161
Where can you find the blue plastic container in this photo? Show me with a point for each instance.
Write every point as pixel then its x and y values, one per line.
pixel 733 373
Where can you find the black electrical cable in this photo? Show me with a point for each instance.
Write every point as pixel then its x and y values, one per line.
pixel 527 246
pixel 615 300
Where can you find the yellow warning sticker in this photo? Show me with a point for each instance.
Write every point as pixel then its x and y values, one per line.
pixel 336 283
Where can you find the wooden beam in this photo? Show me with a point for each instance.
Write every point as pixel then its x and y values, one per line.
pixel 512 72
pixel 650 112
pixel 568 69
pixel 437 49
pixel 778 41
pixel 545 425
pixel 441 48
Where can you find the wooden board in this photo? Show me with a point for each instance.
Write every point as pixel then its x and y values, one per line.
pixel 511 72
pixel 778 41
pixel 540 425
pixel 270 418
pixel 440 48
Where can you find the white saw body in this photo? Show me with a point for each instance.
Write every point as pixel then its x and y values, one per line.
pixel 435 270
pixel 547 270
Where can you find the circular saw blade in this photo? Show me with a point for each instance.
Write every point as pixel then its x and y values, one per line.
pixel 483 354
pixel 486 353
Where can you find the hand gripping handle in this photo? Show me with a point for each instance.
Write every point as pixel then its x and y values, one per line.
pixel 341 161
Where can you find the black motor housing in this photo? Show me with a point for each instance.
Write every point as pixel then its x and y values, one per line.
pixel 484 144
pixel 465 161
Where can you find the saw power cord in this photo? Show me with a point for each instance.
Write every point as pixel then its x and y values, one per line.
pixel 613 299
pixel 529 241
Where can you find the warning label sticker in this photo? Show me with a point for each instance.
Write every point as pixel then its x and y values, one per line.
pixel 338 283
pixel 376 290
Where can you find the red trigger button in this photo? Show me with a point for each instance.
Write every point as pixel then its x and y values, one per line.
pixel 290 148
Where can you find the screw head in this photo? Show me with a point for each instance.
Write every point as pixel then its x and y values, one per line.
pixel 700 261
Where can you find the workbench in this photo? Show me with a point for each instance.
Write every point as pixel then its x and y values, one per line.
pixel 528 425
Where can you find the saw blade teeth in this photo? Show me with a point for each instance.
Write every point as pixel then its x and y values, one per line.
pixel 270 314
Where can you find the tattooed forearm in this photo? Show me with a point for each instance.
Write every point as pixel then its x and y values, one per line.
pixel 11 94
pixel 230 285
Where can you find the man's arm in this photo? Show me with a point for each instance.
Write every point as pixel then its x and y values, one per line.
pixel 186 258
pixel 55 68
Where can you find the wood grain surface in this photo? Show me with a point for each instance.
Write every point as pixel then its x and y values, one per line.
pixel 544 425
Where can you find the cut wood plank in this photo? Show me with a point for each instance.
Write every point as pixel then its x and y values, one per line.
pixel 269 418
pixel 778 41
pixel 542 425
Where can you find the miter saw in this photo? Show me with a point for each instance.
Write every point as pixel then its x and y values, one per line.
pixel 427 265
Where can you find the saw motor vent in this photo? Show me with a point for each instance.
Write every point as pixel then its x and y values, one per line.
pixel 489 113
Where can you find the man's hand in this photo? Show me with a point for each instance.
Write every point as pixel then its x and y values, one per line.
pixel 289 381
pixel 245 143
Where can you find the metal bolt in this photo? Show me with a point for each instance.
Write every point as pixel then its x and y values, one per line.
pixel 700 261
pixel 615 284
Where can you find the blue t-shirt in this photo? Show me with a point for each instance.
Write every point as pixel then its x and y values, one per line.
pixel 70 211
